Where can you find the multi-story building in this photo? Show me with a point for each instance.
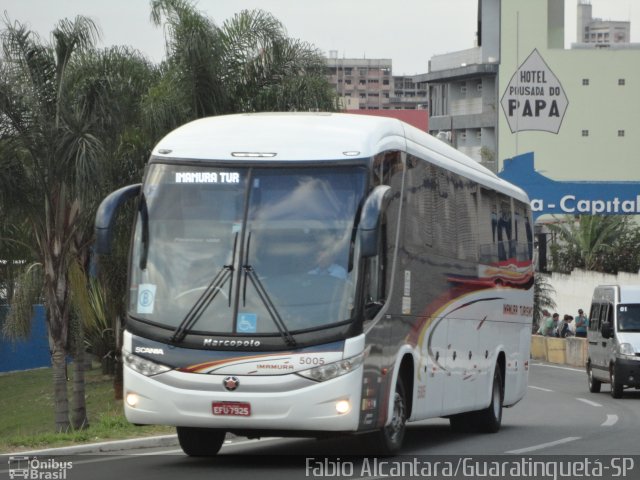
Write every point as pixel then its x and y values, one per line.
pixel 602 33
pixel 463 91
pixel 596 134
pixel 596 80
pixel 368 84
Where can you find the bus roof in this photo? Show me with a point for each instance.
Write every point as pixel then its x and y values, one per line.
pixel 314 136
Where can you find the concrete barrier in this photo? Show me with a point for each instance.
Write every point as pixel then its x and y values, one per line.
pixel 576 351
pixel 538 347
pixel 556 350
pixel 565 351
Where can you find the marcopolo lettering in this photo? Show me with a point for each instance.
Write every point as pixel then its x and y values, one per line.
pixel 213 342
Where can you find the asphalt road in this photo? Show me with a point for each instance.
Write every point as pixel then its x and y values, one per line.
pixel 559 417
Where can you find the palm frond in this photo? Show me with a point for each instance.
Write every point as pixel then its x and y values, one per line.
pixel 27 293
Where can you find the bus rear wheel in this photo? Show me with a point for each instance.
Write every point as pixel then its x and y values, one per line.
pixel 490 419
pixel 200 442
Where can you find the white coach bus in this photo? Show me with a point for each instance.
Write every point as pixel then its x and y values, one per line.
pixel 312 274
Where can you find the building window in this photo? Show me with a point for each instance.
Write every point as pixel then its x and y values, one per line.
pixel 585 133
pixel 585 82
pixel 479 86
pixel 621 81
pixel 463 90
pixel 621 133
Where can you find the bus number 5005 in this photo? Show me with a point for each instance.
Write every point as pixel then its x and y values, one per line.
pixel 311 361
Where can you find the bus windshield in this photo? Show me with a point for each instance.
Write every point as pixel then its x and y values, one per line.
pixel 248 250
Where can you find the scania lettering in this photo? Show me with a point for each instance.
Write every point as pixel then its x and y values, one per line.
pixel 308 274
pixel 155 351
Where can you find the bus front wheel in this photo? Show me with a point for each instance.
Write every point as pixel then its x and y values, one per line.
pixel 389 439
pixel 200 442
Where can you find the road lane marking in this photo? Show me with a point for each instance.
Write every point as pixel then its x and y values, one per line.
pixel 610 421
pixel 589 402
pixel 558 367
pixel 540 388
pixel 544 445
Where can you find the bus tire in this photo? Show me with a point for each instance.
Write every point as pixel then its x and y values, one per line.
pixel 594 384
pixel 490 419
pixel 388 440
pixel 200 442
pixel 617 388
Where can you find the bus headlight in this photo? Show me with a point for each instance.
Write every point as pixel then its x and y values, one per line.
pixel 142 365
pixel 326 372
pixel 626 349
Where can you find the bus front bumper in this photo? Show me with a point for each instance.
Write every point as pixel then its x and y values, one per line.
pixel 276 402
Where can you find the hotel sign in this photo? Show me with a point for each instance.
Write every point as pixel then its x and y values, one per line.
pixel 534 98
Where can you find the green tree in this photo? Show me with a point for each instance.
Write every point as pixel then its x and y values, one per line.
pixel 50 152
pixel 247 65
pixel 543 293
pixel 70 132
pixel 582 241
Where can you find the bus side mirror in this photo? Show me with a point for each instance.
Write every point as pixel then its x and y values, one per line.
pixel 607 330
pixel 372 211
pixel 106 215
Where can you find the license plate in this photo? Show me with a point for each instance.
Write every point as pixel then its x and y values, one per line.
pixel 231 409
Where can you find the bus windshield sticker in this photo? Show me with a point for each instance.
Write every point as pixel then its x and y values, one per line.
pixel 146 297
pixel 247 323
pixel 208 177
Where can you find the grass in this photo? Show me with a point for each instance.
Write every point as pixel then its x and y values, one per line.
pixel 27 415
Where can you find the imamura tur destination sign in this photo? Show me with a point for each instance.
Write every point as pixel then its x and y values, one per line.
pixel 534 98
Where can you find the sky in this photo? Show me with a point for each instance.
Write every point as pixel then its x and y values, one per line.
pixel 409 32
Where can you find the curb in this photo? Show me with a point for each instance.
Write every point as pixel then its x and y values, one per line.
pixel 107 447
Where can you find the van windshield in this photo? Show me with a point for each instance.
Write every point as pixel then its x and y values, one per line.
pixel 628 318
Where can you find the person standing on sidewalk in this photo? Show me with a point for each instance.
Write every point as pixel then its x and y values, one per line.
pixel 582 322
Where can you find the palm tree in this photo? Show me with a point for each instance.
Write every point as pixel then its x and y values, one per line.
pixel 543 293
pixel 247 65
pixel 54 152
pixel 66 116
pixel 584 239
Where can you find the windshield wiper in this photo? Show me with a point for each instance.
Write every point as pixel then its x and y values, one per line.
pixel 249 272
pixel 209 294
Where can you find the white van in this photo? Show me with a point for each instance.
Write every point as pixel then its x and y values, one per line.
pixel 614 338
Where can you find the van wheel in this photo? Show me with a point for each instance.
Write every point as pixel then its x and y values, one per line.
pixel 616 387
pixel 594 385
pixel 490 419
pixel 389 439
pixel 200 442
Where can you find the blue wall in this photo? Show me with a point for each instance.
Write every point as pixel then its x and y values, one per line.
pixel 26 354
pixel 550 196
